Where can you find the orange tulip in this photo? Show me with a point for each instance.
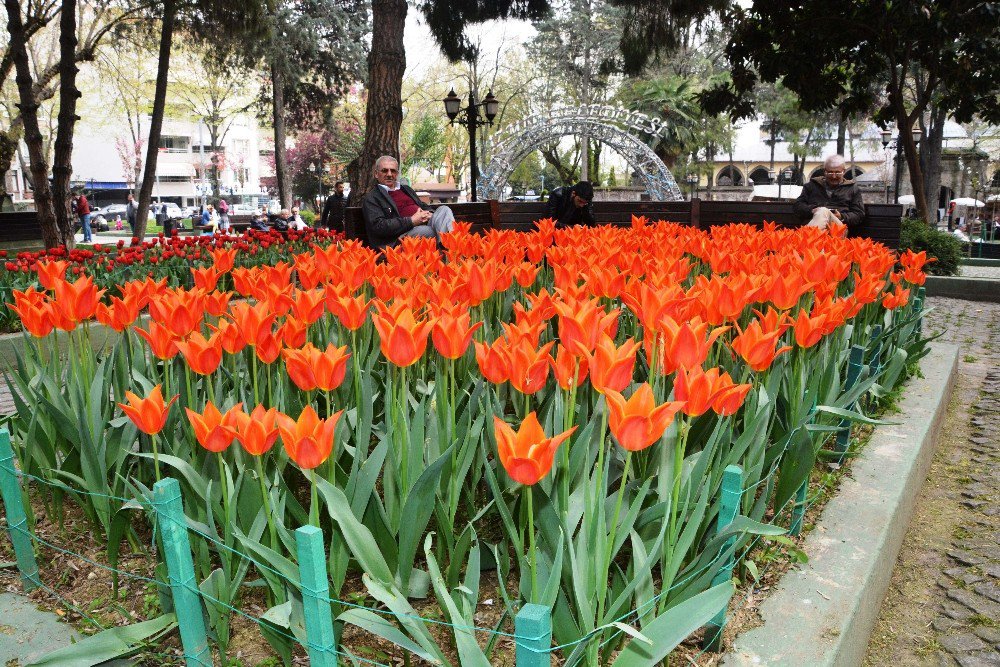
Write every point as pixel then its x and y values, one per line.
pixel 757 346
pixel 684 345
pixel 232 339
pixel 77 300
pixel 308 441
pixel 582 323
pixel 638 422
pixel 311 368
pixel 698 389
pixel 205 278
pixel 34 311
pixel 268 348
pixel 162 342
pixel 217 303
pixel 525 274
pixel 293 332
pixel 493 360
pixel 809 330
pixel 402 337
pixel 452 334
pixel 51 272
pixel 351 311
pixel 900 297
pixel 529 368
pixel 308 305
pixel 223 258
pixel 611 367
pixel 731 397
pixel 213 430
pixel 203 355
pixel 566 364
pixel 148 414
pixel 180 311
pixel 253 322
pixel 257 431
pixel 119 315
pixel 526 455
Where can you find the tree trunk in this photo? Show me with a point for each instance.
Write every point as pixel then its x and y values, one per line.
pixel 278 119
pixel 62 164
pixel 932 166
pixel 28 107
pixel 384 111
pixel 156 119
pixel 913 163
pixel 842 133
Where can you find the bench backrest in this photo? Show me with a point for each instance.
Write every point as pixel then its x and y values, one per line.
pixel 882 221
pixel 20 226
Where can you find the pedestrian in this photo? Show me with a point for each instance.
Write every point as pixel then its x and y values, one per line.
pixel 223 216
pixel 333 209
pixel 83 211
pixel 131 212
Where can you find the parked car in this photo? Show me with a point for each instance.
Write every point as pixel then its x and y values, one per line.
pixel 174 211
pixel 191 211
pixel 242 209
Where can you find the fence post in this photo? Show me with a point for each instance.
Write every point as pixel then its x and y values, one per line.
pixel 321 644
pixel 695 205
pixel 732 492
pixel 180 571
pixel 853 373
pixel 533 630
pixel 17 521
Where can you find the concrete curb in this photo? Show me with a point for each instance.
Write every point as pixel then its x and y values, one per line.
pixel 970 289
pixel 824 612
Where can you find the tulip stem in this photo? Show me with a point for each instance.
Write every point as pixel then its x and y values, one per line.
pixel 405 442
pixel 532 556
pixel 225 495
pixel 618 509
pixel 267 502
pixel 156 456
pixel 679 448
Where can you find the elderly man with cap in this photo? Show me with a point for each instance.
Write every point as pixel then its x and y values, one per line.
pixel 830 197
pixel 393 210
pixel 572 206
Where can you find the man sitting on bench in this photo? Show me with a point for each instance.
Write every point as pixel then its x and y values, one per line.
pixel 830 197
pixel 572 206
pixel 392 210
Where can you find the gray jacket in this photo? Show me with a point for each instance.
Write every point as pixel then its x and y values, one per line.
pixel 383 223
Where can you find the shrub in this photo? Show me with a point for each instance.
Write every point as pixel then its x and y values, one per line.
pixel 916 235
pixel 308 217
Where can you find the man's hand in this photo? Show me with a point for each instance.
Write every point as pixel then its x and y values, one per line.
pixel 836 214
pixel 421 217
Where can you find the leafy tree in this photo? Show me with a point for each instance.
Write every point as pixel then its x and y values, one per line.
pixel 425 144
pixel 843 55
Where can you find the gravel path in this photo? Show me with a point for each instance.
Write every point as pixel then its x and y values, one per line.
pixel 992 272
pixel 943 605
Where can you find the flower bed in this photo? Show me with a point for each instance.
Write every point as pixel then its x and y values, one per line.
pixel 559 406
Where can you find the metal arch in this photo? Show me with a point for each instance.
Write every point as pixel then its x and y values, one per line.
pixel 612 126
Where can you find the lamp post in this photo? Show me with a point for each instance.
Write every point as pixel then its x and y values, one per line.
pixel 785 176
pixel 917 136
pixel 472 121
pixel 692 181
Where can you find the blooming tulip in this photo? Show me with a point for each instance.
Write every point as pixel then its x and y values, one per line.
pixel 638 422
pixel 148 414
pixel 526 455
pixel 212 429
pixel 308 440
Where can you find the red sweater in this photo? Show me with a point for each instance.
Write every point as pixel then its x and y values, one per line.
pixel 404 204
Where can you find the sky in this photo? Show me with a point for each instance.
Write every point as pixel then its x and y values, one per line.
pixel 422 51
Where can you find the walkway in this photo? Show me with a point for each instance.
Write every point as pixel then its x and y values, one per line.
pixel 943 604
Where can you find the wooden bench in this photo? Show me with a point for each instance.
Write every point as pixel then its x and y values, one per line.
pixel 882 222
pixel 20 226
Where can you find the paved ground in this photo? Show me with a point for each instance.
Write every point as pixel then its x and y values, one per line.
pixel 979 272
pixel 943 605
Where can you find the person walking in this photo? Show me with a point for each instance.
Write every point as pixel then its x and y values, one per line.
pixel 83 211
pixel 131 212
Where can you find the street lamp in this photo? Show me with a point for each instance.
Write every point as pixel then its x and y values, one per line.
pixel 452 106
pixel 692 181
pixel 786 177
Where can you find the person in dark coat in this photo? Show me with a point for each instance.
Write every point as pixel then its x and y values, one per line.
pixel 131 212
pixel 392 210
pixel 572 205
pixel 830 197
pixel 333 209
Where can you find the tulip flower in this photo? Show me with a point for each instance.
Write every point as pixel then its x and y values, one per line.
pixel 150 416
pixel 162 342
pixel 611 367
pixel 529 368
pixel 311 368
pixel 34 312
pixel 527 455
pixel 809 330
pixel 684 345
pixel 212 429
pixel 638 422
pixel 223 258
pixel 402 337
pixel 493 360
pixel 698 389
pixel 203 355
pixel 257 431
pixel 179 311
pixel 581 324
pixel 205 278
pixel 351 311
pixel 254 322
pixel 217 303
pixel 77 300
pixel 566 365
pixel 308 440
pixel 51 272
pixel 452 333
pixel 308 305
pixel 758 347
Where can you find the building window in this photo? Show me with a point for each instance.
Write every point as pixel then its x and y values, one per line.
pixel 175 179
pixel 818 171
pixel 170 144
pixel 854 172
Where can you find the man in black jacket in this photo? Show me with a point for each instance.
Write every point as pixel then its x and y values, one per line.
pixel 333 209
pixel 830 197
pixel 572 206
pixel 392 210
